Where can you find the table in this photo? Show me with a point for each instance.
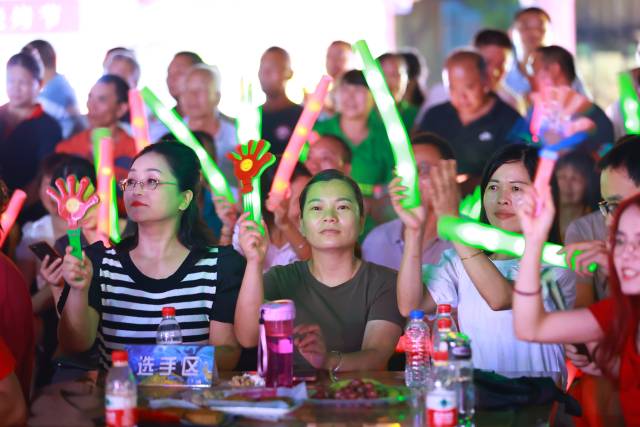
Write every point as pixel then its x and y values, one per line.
pixel 80 404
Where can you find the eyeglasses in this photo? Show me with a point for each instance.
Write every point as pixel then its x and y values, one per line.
pixel 607 208
pixel 130 184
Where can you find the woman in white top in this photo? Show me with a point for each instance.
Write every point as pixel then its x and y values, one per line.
pixel 478 283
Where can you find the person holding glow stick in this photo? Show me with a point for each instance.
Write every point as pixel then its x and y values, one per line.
pixel 170 252
pixel 612 322
pixel 478 283
pixel 347 317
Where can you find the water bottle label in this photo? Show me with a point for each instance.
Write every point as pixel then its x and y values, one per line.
pixel 120 411
pixel 442 409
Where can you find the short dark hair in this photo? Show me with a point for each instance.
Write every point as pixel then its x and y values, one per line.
pixel 440 144
pixel 347 156
pixel 119 84
pixel 192 56
pixel 128 59
pixel 624 154
pixel 279 51
pixel 74 165
pixel 50 164
pixel 471 56
pixel 28 62
pixel 391 55
pixel 491 37
pixel 46 52
pixel 340 43
pixel 536 10
pixel 354 77
pixel 330 175
pixel 193 233
pixel 561 56
pixel 414 62
pixel 528 155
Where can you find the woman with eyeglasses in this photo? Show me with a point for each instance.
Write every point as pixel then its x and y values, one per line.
pixel 116 295
pixel 612 322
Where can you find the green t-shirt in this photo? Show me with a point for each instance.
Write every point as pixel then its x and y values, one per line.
pixel 408 114
pixel 372 160
pixel 342 311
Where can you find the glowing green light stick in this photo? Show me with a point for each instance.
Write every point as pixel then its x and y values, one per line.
pixel 470 205
pixel 249 162
pixel 105 174
pixel 482 236
pixel 174 123
pixel 629 104
pixel 249 121
pixel 400 145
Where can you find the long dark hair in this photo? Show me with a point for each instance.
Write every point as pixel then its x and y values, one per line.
pixel 585 165
pixel 627 307
pixel 514 153
pixel 193 233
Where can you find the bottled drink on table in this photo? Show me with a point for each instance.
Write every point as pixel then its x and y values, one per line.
pixel 416 371
pixel 461 355
pixel 441 402
pixel 169 329
pixel 278 340
pixel 441 333
pixel 121 395
pixel 444 312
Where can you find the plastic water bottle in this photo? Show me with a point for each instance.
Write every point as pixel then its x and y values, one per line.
pixel 121 395
pixel 169 329
pixel 461 355
pixel 416 372
pixel 444 312
pixel 440 333
pixel 442 396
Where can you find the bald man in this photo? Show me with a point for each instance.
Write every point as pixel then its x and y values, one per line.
pixel 279 113
pixel 475 121
pixel 199 98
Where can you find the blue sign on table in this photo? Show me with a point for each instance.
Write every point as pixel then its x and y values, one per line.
pixel 173 365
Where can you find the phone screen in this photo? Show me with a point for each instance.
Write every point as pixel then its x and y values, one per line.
pixel 41 249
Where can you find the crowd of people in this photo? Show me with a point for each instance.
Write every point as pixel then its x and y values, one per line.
pixel 340 244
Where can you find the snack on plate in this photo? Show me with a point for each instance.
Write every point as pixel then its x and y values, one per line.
pixel 247 380
pixel 206 417
pixel 355 389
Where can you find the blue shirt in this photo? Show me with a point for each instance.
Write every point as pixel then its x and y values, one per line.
pixel 58 100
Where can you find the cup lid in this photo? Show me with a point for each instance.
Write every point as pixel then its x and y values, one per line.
pixel 278 310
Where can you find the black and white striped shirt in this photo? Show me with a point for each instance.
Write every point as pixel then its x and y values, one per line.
pixel 204 288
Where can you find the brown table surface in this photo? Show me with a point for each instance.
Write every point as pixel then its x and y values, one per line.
pixel 80 403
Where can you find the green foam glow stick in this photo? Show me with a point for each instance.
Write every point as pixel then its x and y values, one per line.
pixel 249 121
pixel 629 104
pixel 400 145
pixel 470 205
pixel 174 123
pixel 483 236
pixel 249 162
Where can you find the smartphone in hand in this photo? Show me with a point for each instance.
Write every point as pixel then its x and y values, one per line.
pixel 41 249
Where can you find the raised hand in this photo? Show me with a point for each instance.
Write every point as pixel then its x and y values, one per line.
pixel 51 272
pixel 414 218
pixel 72 201
pixel 227 212
pixel 253 244
pixel 311 345
pixel 590 251
pixel 535 212
pixel 443 191
pixel 77 272
pixel 280 208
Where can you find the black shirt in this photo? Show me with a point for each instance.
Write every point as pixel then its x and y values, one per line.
pixel 603 133
pixel 473 144
pixel 277 126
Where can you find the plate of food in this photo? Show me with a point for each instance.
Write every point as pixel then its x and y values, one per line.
pixel 357 392
pixel 183 416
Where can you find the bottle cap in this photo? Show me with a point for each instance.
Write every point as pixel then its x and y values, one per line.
pixel 168 312
pixel 444 308
pixel 444 323
pixel 279 310
pixel 416 314
pixel 119 356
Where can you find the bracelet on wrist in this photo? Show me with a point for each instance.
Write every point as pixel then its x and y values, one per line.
pixel 528 293
pixel 336 367
pixel 471 256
